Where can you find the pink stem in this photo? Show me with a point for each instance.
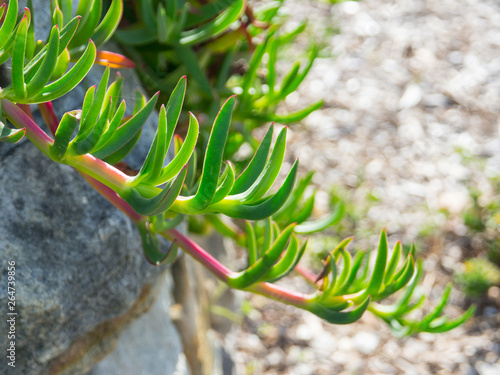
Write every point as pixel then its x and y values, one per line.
pixel 100 170
pixel 49 116
pixel 198 253
pixel 309 276
pixel 26 109
pixel 266 289
pixel 21 120
pixel 281 294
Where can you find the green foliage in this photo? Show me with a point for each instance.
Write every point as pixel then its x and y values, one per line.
pixel 209 43
pixel 478 275
pixel 97 136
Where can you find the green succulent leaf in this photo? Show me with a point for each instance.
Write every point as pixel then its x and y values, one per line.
pixel 270 172
pixel 320 224
pixel 261 209
pixel 339 317
pixel 251 244
pixel 377 278
pixel 68 81
pixel 136 36
pixel 42 76
pixel 256 165
pixel 150 246
pixel 90 10
pixel 93 105
pixel 64 132
pixel 215 27
pixel 65 36
pixel 213 158
pixel 123 151
pixel 9 22
pixel 152 170
pixel 291 204
pixel 158 204
pixel 109 23
pixel 84 145
pixel 191 62
pixel 289 117
pixel 9 135
pixel 206 11
pixel 287 262
pixel 113 125
pixel 18 55
pixel 185 154
pixel 227 183
pixel 258 269
pixel 126 132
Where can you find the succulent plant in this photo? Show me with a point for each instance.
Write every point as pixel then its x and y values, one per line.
pixel 97 136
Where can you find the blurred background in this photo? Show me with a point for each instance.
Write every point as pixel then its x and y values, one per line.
pixel 408 139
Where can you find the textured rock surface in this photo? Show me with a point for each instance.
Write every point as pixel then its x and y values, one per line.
pixel 81 277
pixel 133 354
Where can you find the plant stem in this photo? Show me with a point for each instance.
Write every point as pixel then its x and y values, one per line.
pixel 21 120
pixel 100 170
pixel 280 294
pixel 198 253
pixel 271 291
pixel 307 275
pixel 49 116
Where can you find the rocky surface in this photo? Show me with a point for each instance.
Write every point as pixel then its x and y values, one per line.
pixel 411 93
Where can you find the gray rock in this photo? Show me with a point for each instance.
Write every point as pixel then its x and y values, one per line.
pixel 160 337
pixel 80 272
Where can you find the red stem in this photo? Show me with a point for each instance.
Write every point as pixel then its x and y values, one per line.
pixel 281 294
pixel 49 116
pixel 21 120
pixel 198 253
pixel 309 276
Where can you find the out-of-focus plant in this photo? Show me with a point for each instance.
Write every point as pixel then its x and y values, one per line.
pixel 478 275
pixel 159 196
pixel 225 47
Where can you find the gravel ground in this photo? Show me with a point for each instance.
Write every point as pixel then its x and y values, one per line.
pixel 407 85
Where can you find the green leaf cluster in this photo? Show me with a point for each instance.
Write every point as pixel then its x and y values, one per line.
pixel 268 219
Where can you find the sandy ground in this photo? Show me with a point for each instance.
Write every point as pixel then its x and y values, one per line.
pixel 412 90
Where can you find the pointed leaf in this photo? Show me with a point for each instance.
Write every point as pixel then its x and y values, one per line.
pixel 255 272
pixel 18 53
pixel 127 131
pixel 158 204
pixel 256 165
pixel 261 209
pixel 72 78
pixel 213 157
pixel 9 22
pixel 380 264
pixel 10 135
pixel 184 154
pixel 214 27
pixel 45 71
pixel 270 172
pixel 320 224
pixel 109 23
